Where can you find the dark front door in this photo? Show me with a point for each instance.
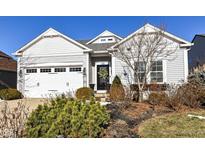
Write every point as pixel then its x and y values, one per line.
pixel 102 76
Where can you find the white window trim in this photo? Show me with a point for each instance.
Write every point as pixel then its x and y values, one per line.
pixel 164 72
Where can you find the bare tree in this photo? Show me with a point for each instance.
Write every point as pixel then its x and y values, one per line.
pixel 12 120
pixel 141 51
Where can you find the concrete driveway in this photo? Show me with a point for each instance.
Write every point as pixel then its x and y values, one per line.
pixel 32 103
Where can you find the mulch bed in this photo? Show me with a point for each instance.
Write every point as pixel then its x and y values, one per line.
pixel 126 117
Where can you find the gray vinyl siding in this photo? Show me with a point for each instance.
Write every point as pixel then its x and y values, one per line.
pixel 176 68
pixel 120 69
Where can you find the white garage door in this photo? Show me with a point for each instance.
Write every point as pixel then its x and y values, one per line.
pixel 42 82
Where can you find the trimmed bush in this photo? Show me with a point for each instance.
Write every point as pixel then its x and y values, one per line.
pixel 10 94
pixel 117 92
pixel 84 93
pixel 67 118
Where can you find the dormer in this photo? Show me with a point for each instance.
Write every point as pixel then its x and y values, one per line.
pixel 105 37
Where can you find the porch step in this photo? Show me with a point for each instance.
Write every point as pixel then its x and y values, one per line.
pixel 102 97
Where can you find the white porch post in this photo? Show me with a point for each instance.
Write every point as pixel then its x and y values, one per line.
pixel 87 62
pixel 112 68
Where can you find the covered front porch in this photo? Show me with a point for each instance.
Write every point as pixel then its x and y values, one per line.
pixel 99 64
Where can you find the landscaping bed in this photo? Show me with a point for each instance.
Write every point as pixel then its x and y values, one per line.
pixel 174 125
pixel 125 118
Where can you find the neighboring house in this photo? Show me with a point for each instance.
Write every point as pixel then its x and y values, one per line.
pixel 8 73
pixel 55 63
pixel 197 51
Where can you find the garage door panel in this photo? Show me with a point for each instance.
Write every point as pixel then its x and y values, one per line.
pixel 45 84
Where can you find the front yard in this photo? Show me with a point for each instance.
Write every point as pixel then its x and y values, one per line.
pixel 140 120
pixel 175 125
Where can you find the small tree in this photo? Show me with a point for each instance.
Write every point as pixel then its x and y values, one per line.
pixel 141 51
pixel 117 92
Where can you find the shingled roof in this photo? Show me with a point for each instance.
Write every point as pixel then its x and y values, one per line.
pixel 7 63
pixel 96 46
pixel 2 54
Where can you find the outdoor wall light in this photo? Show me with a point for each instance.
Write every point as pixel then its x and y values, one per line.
pixel 125 73
pixel 84 71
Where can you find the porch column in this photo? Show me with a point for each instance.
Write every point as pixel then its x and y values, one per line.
pixel 87 62
pixel 112 68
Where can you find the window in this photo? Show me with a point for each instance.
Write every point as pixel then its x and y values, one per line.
pixel 45 70
pixel 156 73
pixel 75 69
pixel 110 39
pixel 60 69
pixel 32 70
pixel 103 40
pixel 140 67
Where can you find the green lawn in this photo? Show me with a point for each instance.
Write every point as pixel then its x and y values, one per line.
pixel 177 125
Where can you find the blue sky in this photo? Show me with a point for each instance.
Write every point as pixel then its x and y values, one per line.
pixel 17 31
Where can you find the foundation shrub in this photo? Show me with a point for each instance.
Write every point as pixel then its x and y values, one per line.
pixel 10 94
pixel 84 93
pixel 117 92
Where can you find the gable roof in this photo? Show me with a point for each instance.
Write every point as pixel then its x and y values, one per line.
pixel 200 35
pixel 149 27
pixel 49 33
pixel 2 54
pixel 105 33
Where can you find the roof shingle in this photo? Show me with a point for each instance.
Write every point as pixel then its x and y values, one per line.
pixel 96 46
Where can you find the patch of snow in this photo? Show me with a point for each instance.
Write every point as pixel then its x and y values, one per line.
pixel 104 103
pixel 195 116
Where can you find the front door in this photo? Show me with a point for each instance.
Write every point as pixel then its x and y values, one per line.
pixel 102 76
